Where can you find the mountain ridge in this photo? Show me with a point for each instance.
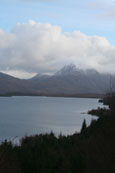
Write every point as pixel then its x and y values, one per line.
pixel 69 81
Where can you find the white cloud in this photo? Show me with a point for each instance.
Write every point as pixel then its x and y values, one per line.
pixel 36 47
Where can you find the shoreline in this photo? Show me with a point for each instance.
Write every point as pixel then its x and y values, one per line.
pixel 93 96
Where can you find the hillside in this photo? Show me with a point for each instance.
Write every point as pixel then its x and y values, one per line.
pixel 69 81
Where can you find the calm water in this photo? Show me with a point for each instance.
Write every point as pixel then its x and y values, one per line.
pixel 31 115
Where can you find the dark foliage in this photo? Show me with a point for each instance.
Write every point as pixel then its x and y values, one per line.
pixel 100 112
pixel 8 158
pixel 84 126
pixel 110 101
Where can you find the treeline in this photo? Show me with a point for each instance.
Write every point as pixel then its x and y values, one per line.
pixel 99 112
pixel 91 151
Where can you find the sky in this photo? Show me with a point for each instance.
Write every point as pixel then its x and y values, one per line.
pixel 41 36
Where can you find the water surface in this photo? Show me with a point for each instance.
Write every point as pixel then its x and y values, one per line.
pixel 31 115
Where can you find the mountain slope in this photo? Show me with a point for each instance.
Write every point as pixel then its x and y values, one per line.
pixel 10 85
pixel 69 81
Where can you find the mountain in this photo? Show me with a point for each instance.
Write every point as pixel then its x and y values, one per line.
pixel 10 84
pixel 69 81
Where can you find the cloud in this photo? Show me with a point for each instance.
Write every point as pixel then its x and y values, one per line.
pixel 32 47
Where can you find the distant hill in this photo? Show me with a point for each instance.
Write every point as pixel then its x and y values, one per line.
pixel 68 81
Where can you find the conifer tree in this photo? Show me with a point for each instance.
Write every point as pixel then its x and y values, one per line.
pixel 84 126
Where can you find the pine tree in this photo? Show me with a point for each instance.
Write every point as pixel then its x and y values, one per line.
pixel 84 126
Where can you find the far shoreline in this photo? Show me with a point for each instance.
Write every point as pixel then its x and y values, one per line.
pixel 93 96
